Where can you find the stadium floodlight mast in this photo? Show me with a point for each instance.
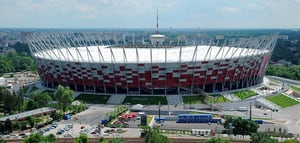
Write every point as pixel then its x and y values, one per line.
pixel 118 64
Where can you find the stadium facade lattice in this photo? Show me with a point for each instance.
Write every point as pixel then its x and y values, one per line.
pixel 110 64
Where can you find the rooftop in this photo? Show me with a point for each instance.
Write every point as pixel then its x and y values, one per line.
pixel 121 54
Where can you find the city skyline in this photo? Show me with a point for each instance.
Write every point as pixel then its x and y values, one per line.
pixel 229 14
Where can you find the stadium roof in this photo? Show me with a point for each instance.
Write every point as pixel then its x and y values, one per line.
pixel 109 54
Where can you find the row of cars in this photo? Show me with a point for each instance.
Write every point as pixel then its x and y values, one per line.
pixel 93 130
pixel 14 136
pixel 63 130
pixel 32 131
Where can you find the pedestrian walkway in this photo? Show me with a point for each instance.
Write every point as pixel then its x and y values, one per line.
pixel 174 99
pixel 230 96
pixel 116 99
pixel 292 97
pixel 27 94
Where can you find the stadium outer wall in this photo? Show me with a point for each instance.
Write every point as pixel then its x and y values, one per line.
pixel 146 78
pixel 164 78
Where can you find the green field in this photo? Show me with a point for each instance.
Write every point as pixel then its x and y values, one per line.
pixel 295 88
pixel 244 94
pixel 146 100
pixel 93 98
pixel 282 100
pixel 217 98
pixel 193 99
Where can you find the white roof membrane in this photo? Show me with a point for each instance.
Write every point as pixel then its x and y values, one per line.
pixel 143 55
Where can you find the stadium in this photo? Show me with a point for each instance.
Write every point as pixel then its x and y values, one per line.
pixel 113 64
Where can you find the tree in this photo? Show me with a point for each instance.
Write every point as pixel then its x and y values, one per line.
pixel 64 97
pixel 116 140
pixel 2 141
pixel 2 127
pixel 101 139
pixel 113 140
pixel 241 126
pixel 10 101
pixel 262 138
pixel 31 104
pixel 8 125
pixel 14 62
pixel 57 115
pixel 217 140
pixel 77 140
pixel 152 135
pixel 290 141
pixel 42 99
pixel 20 101
pixel 83 138
pixel 31 120
pixel 3 92
pixel 51 138
pixel 21 48
pixel 38 138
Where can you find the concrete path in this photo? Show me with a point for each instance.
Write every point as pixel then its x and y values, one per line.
pixel 267 103
pixel 116 99
pixel 230 96
pixel 174 99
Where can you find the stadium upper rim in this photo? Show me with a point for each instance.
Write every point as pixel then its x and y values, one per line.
pixel 143 55
pixel 100 48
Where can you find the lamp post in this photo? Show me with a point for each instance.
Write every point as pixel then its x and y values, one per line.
pixel 250 114
pixel 230 129
pixel 159 112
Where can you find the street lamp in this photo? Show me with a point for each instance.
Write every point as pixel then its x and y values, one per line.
pixel 230 129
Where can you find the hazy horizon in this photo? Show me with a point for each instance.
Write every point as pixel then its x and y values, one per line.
pixel 136 14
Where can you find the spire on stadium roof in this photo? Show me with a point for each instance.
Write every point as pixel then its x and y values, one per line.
pixel 157 39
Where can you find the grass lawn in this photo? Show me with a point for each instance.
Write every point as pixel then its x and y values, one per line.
pixel 295 88
pixel 282 100
pixel 193 99
pixel 244 94
pixel 93 98
pixel 146 100
pixel 217 98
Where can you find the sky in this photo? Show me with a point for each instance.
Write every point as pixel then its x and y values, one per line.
pixel 227 14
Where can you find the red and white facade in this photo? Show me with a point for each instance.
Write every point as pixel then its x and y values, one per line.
pixel 91 66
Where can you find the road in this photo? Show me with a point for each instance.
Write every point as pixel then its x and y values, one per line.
pixel 292 119
pixel 289 81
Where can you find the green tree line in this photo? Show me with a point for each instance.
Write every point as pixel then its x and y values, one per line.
pixel 286 71
pixel 15 62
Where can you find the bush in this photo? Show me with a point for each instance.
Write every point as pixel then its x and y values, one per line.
pixel 217 140
pixel 56 116
pixel 83 138
pixel 38 138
